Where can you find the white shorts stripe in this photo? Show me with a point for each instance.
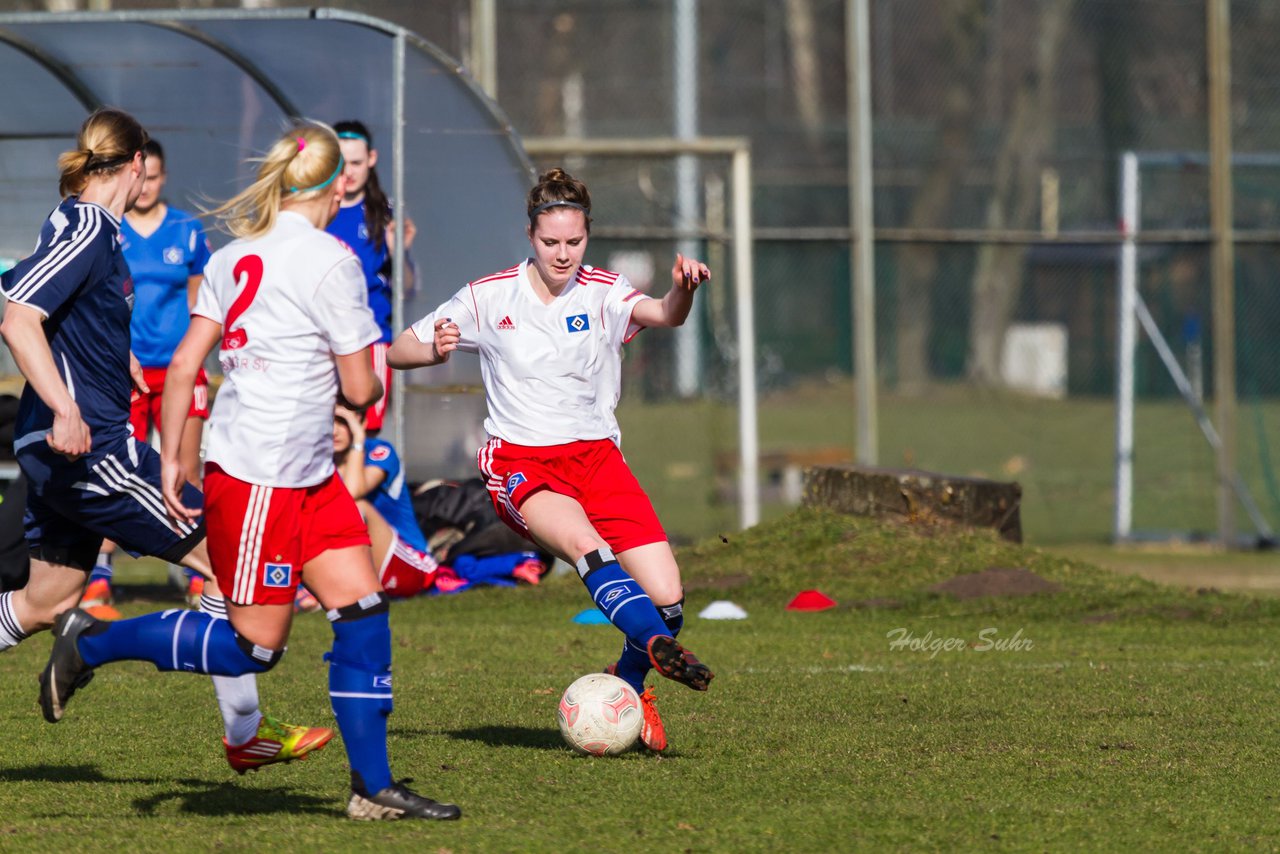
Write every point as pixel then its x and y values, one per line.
pixel 255 518
pixel 122 481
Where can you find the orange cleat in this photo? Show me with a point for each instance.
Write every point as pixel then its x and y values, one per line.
pixel 195 589
pixel 652 733
pixel 96 600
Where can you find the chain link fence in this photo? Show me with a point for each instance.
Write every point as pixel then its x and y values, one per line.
pixel 998 129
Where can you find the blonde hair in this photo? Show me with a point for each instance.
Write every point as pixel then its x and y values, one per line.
pixel 107 142
pixel 301 164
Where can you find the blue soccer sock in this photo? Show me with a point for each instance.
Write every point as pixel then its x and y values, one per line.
pixel 360 688
pixel 184 640
pixel 634 665
pixel 620 598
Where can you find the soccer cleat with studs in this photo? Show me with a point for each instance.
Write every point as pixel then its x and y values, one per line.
pixel 675 662
pixel 276 741
pixel 397 801
pixel 652 733
pixel 66 671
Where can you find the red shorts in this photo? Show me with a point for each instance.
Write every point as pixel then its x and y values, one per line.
pixel 260 537
pixel 406 571
pixel 591 472
pixel 375 415
pixel 144 409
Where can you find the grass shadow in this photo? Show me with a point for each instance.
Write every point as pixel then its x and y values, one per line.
pixel 66 774
pixel 511 736
pixel 206 798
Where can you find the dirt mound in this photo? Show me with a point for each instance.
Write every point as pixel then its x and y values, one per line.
pixel 995 581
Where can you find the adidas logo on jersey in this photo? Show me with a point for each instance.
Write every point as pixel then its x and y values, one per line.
pixel 505 323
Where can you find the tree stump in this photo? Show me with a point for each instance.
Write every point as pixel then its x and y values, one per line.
pixel 918 496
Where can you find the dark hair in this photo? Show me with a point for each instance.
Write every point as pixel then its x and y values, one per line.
pixel 557 185
pixel 153 149
pixel 377 207
pixel 107 141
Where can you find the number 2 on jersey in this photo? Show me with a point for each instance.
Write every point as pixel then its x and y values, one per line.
pixel 250 267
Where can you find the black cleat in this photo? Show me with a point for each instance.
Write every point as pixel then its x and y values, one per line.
pixel 66 671
pixel 675 662
pixel 398 801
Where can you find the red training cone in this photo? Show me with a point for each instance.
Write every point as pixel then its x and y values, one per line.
pixel 811 600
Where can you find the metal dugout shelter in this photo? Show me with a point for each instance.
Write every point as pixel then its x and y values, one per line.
pixel 217 86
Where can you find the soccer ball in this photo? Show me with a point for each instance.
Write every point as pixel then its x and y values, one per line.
pixel 600 715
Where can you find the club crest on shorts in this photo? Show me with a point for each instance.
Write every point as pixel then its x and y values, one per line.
pixel 277 574
pixel 578 323
pixel 514 481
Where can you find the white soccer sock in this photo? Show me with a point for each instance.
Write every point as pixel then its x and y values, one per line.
pixel 237 695
pixel 11 633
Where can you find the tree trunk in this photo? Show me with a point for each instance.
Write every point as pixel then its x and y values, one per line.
pixel 917 264
pixel 997 277
pixel 802 39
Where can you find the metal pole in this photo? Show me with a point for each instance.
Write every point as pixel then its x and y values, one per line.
pixel 862 248
pixel 397 258
pixel 688 339
pixel 1223 256
pixel 744 293
pixel 484 46
pixel 1127 345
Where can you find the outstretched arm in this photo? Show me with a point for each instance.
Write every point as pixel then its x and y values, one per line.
pixel 686 275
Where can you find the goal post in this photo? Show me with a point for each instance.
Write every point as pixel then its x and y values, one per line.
pixel 1134 315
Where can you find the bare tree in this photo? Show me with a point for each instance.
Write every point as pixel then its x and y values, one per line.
pixel 962 46
pixel 997 278
pixel 802 40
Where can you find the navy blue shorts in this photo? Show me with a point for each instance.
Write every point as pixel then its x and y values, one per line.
pixel 112 492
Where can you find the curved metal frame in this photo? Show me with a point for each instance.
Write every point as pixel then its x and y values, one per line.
pixel 64 75
pixel 239 60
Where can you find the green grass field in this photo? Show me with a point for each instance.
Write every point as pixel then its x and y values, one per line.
pixel 1141 718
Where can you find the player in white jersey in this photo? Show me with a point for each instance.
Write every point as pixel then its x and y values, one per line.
pixel 287 304
pixel 549 333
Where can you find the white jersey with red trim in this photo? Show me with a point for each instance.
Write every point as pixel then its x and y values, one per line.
pixel 288 302
pixel 552 373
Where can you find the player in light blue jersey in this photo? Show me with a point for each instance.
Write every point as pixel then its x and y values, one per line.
pixel 364 222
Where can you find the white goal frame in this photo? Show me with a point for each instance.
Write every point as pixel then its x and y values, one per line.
pixel 1133 312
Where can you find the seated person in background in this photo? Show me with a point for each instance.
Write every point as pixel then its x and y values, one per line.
pixel 371 470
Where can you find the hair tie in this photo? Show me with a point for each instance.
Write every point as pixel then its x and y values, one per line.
pixel 302 143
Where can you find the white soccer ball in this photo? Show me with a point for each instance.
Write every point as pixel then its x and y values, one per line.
pixel 600 715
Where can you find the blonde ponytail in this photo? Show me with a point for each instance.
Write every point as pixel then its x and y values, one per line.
pixel 303 163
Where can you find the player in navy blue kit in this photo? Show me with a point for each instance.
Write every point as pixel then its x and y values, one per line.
pixel 67 324
pixel 364 222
